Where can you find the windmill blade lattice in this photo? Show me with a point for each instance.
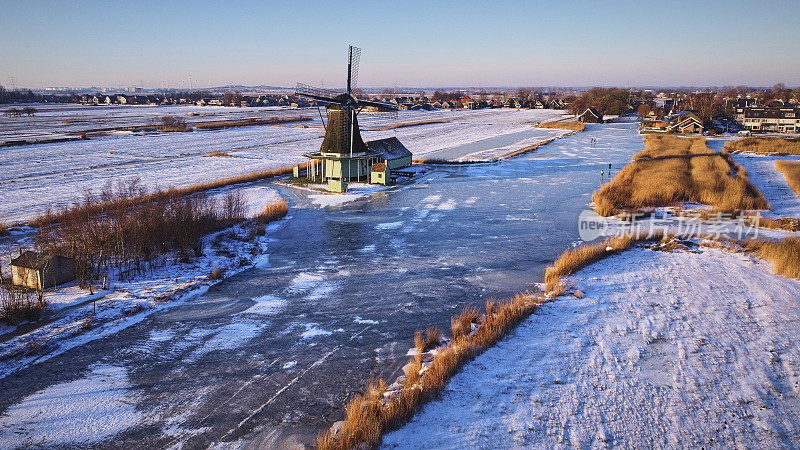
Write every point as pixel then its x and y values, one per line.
pixel 354 58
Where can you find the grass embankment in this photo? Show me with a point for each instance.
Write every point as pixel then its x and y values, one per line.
pixel 411 124
pixel 671 170
pixel 573 125
pixel 252 121
pixel 369 415
pixel 791 171
pixel 765 145
pixel 140 196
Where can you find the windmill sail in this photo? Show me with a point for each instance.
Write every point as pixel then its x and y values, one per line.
pixel 354 57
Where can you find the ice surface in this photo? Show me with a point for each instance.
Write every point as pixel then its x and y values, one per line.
pixel 85 411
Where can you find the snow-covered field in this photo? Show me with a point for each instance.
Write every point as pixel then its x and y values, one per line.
pixel 665 350
pixel 38 177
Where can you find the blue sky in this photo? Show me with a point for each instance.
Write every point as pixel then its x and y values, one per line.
pixel 404 43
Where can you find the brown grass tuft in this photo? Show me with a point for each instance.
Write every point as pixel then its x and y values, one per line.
pixel 671 170
pixel 273 211
pixel 3 229
pixel 564 125
pixel 217 274
pixel 784 223
pixel 433 337
pixel 765 145
pixel 784 254
pixel 791 171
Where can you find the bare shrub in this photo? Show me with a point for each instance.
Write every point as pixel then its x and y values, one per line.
pixel 116 230
pixel 671 170
pixel 19 305
pixel 131 193
pixel 170 123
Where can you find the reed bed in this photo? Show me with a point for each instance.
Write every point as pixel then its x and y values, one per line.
pixel 783 223
pixel 791 171
pixel 784 255
pixel 411 124
pixel 573 125
pixel 765 145
pixel 252 121
pixel 133 194
pixel 672 170
pixel 273 212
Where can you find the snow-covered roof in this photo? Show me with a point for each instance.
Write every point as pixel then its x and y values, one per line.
pixel 389 148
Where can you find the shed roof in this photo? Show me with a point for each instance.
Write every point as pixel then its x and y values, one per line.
pixel 32 260
pixel 379 167
pixel 389 148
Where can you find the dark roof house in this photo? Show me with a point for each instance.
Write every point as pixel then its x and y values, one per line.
pixel 40 271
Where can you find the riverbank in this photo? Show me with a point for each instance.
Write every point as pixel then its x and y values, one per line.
pixel 703 337
pixel 75 316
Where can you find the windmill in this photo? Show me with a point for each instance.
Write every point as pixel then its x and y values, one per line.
pixel 343 154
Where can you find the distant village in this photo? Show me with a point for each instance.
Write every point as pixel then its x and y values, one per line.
pixel 741 109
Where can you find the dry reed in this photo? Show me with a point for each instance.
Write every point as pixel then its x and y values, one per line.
pixel 671 170
pixel 273 211
pixel 252 121
pixel 136 195
pixel 765 145
pixel 791 171
pixel 411 124
pixel 564 125
pixel 784 255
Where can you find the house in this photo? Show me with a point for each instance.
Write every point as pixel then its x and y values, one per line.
pixel 684 122
pixel 467 102
pixel 776 116
pixel 654 122
pixel 591 115
pixel 380 174
pixel 40 271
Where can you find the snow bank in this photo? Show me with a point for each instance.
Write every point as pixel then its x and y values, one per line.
pixel 663 350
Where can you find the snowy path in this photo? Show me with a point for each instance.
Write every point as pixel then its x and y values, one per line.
pixel 650 357
pixel 761 171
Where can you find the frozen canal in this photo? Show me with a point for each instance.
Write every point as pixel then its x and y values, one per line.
pixel 269 356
